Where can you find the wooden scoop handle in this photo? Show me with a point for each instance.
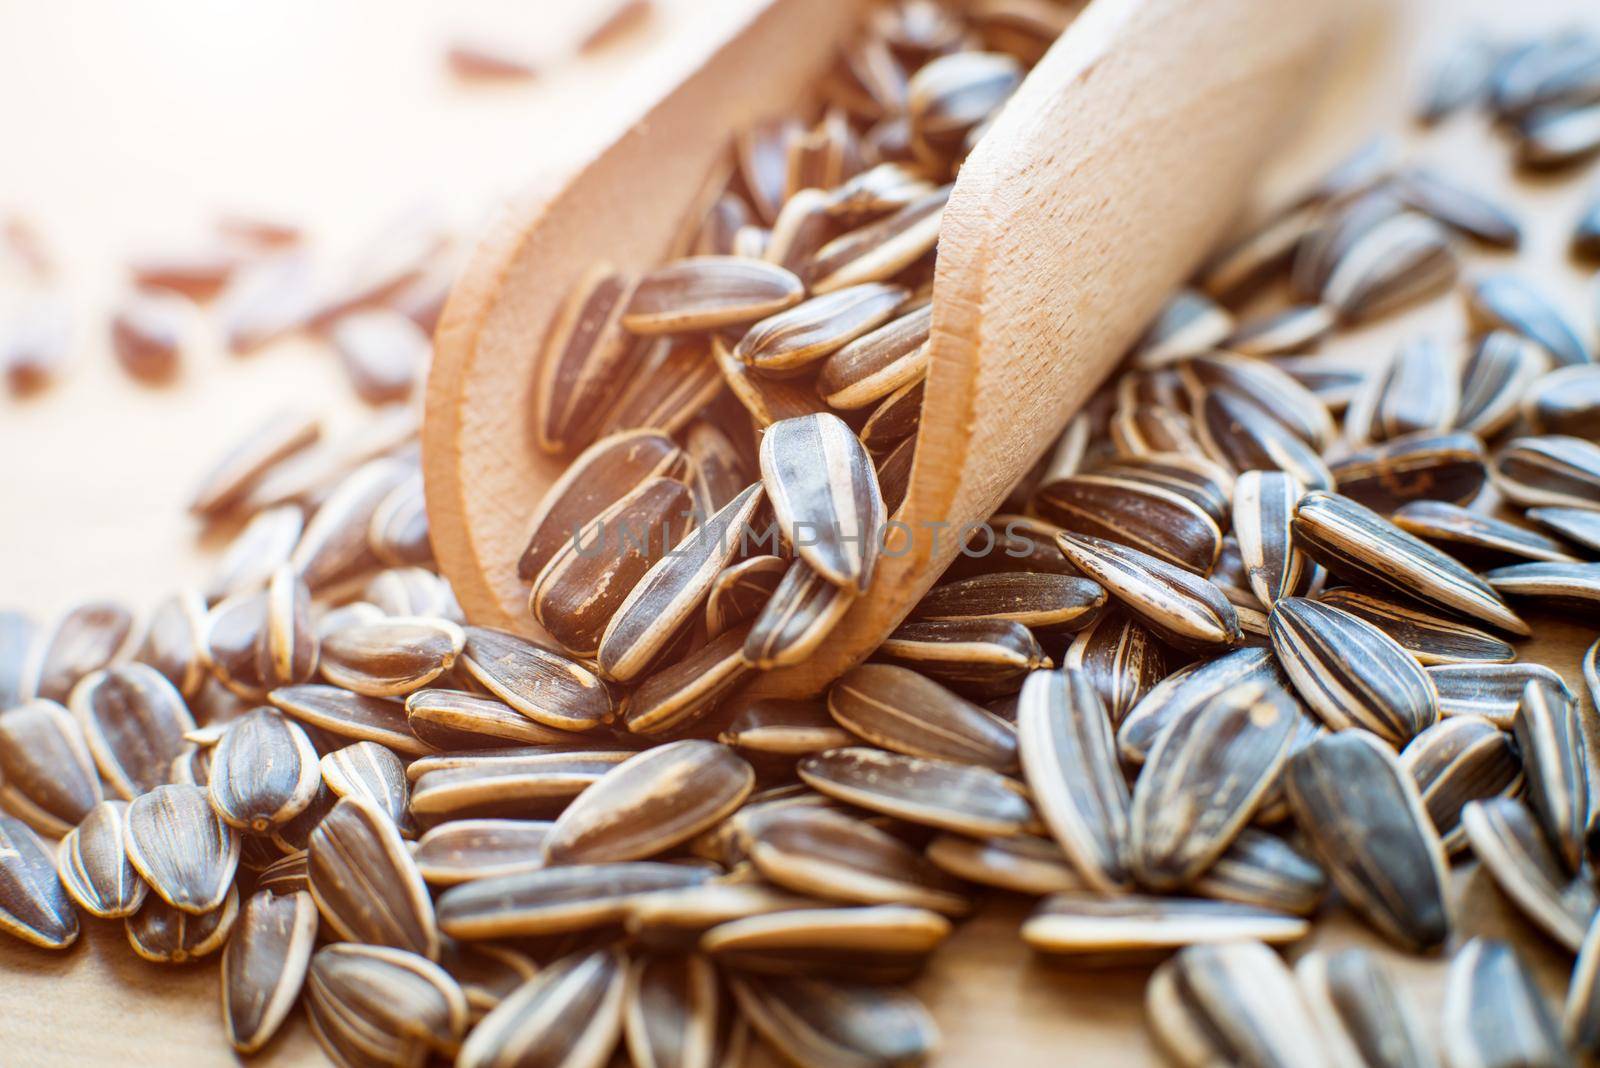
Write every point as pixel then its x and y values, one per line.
pixel 1116 166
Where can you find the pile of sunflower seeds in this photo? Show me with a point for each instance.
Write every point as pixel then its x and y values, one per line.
pixel 1210 670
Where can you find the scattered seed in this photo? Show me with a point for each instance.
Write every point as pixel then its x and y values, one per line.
pixel 166 935
pixel 1493 1011
pixel 1187 689
pixel 892 357
pixel 687 690
pixel 1457 761
pixel 33 905
pixel 1182 608
pixel 1511 302
pixel 899 710
pixel 377 1004
pixel 264 966
pixel 1361 1012
pixel 350 715
pixel 1086 924
pixel 543 685
pixel 365 883
pixel 706 292
pixel 263 772
pixel 1573 588
pixel 1507 838
pixel 181 848
pixel 1265 871
pixel 936 793
pixel 1492 691
pixel 554 900
pixel 1549 734
pixel 463 850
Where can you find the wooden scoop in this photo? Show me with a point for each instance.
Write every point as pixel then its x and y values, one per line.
pixel 1127 152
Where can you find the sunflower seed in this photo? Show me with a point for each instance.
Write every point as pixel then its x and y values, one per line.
pixel 33 905
pixel 83 640
pixel 181 848
pixel 706 292
pixel 892 357
pixel 543 685
pixel 936 793
pixel 1459 207
pixel 383 352
pixel 134 722
pixel 741 590
pixel 408 591
pixel 672 1012
pixel 1549 734
pixel 1121 659
pixel 399 534
pixel 894 475
pixel 1189 323
pixel 791 340
pixel 1086 924
pixel 1506 837
pixel 1034 599
pixel 1579 1020
pixel 899 710
pixel 1362 1013
pixel 952 95
pixel 1187 689
pixel 678 695
pixel 365 883
pixel 1204 779
pixel 883 942
pixel 767 400
pixel 1263 513
pixel 881 249
pixel 263 772
pixel 1141 516
pixel 1494 1014
pixel 286 875
pixel 585 353
pixel 166 935
pixel 1203 481
pixel 1265 252
pixel 675 379
pixel 507 782
pixel 1265 871
pixel 1510 302
pixel 350 715
pixel 1333 380
pixel 1360 546
pixel 47 775
pixel 1144 430
pixel 1180 607
pixel 719 469
pixel 377 1005
pixel 1268 388
pixel 802 227
pixel 1459 78
pixel 1477 537
pixel 1365 821
pixel 781 727
pixel 1232 1004
pixel 1565 401
pixel 463 850
pixel 1558 136
pixel 981 657
pixel 487 974
pixel 1501 367
pixel 674 920
pixel 1581 526
pixel 825 495
pixel 1366 207
pixel 1236 432
pixel 334 543
pixel 455 719
pixel 1422 467
pixel 241 467
pixel 1023 864
pixel 884 188
pixel 1554 470
pixel 816 851
pixel 94 866
pixel 391 658
pixel 288 649
pixel 236 632
pixel 264 965
pixel 1564 587
pixel 555 900
pixel 1402 260
pixel 372 773
pixel 823 1023
pixel 1069 759
pixel 1457 761
pixel 1492 691
pixel 1419 392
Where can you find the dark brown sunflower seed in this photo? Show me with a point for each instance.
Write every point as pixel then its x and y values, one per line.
pixel 936 793
pixel 1360 546
pixel 1333 379
pixel 1187 689
pixel 767 400
pixel 1457 761
pixel 1034 599
pixel 83 640
pixel 1139 515
pixel 802 227
pixel 1581 526
pixel 285 875
pixel 258 550
pixel 790 341
pixel 900 710
pixel 1133 925
pixel 1459 207
pixel 47 773
pixel 782 727
pixel 463 850
pixel 263 772
pixel 882 189
pixel 740 591
pixel 1573 588
pixel 375 1004
pixel 487 974
pixel 571 1011
pixel 1492 691
pixel 1558 136
pixel 706 292
pixel 225 484
pixel 1501 367
pixel 821 1023
pixel 264 965
pixel 1263 253
pixel 674 380
pixel 1236 432
pixel 881 249
pixel 677 695
pixel 825 494
pixel 391 658
pixel 673 1012
pixel 1145 430
pixel 1511 302
pixel 1121 659
pixel 365 883
pixel 817 851
pixel 182 848
pixel 372 773
pixel 977 656
pixel 1264 503
pixel 33 905
pixel 585 354
pixel 1471 536
pixel 543 685
pixel 674 920
pixel 1423 467
pixel 1580 1022
pixel 893 420
pixel 1203 481
pixel 1231 1004
pixel 1350 673
pixel 1364 818
pixel 950 96
pixel 870 943
pixel 350 715
pixel 1554 470
pixel 1023 864
pixel 1266 871
pixel 1419 392
pixel 94 866
pixel 506 782
pixel 166 935
pixel 455 719
pixel 1549 734
pixel 1363 1015
pixel 1180 607
pixel 134 721
pixel 1203 781
pixel 172 642
pixel 383 352
pixel 720 469
pixel 894 475
pixel 1189 323
pixel 1507 838
pixel 1263 385
pixel 555 900
pixel 1494 1013
pixel 872 367
pixel 1069 758
pixel 404 591
pixel 1399 261
pixel 335 540
pixel 1565 401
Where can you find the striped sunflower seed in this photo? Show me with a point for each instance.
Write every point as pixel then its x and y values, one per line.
pixel 761 151
pixel 1492 691
pixel 641 807
pixel 520 782
pixel 1231 1004
pixel 1399 261
pixel 1549 734
pixel 83 640
pixel 1423 468
pixel 1203 481
pixel 375 1004
pixel 1458 207
pixel 585 354
pixel 1459 78
pixel 881 249
pixel 17 633
pixel 1267 387
pixel 1507 838
pixel 1494 379
pixel 33 905
pixel 182 848
pixel 1581 526
pixel 236 631
pixel 1205 777
pixel 899 710
pixel 781 727
pixel 886 187
pixel 383 353
pixel 263 772
pixel 1265 871
pixel 672 590
pixel 1350 673
pixel 463 850
pixel 1555 68
pixel 707 292
pixel 487 974
pixel 1122 660
pixel 258 550
pixel 225 484
pixel 1190 322
pixel 790 341
pixel 951 96
pixel 455 719
pixel 827 854
pixel 570 1012
pixel 692 381
pixel 935 793
pixel 334 543
pixel 1292 329
pixel 894 475
pixel 1494 1013
pixel 286 875
pixel 1022 864
pixel 1420 392
pixel 295 836
pixel 678 695
pixel 894 419
pixel 1264 503
pixel 825 494
pixel 1469 536
pixel 399 534
pixel 719 471
pixel 1183 609
pixel 1457 761
pixel 981 657
pixel 1133 925
pixel 1237 433
pixel 1156 428
pixel 1553 470
pixel 1566 401
pixel 47 775
pixel 372 773
pixel 407 591
pixel 1580 1018
pixel 1572 588
pixel 392 658
pixel 582 586
pixel 365 883
pixel 1187 689
pixel 94 866
pixel 827 1023
pixel 1364 819
pixel 1265 252
pixel 1037 600
pixel 767 400
pixel 892 357
pixel 172 642
pixel 541 684
pixel 1356 544
pixel 886 943
pixel 574 897
pixel 740 591
pixel 1361 1012
pixel 803 226
pixel 264 966
pixel 674 920
pixel 1069 759
pixel 165 935
pixel 350 715
pixel 674 1012
pixel 1511 302
pixel 1138 515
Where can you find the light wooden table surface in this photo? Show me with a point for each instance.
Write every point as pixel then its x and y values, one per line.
pixel 126 125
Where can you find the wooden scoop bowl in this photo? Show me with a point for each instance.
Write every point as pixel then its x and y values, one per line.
pixel 1125 155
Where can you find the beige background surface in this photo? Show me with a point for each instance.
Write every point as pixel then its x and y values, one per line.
pixel 130 124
